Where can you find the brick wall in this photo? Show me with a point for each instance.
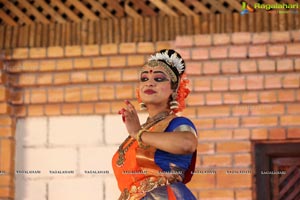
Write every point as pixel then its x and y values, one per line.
pixel 62 102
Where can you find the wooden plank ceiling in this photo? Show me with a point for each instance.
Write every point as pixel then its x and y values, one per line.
pixel 26 12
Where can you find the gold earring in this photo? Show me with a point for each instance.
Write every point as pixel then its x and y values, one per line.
pixel 143 106
pixel 174 103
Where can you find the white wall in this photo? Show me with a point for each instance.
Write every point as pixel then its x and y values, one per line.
pixel 67 143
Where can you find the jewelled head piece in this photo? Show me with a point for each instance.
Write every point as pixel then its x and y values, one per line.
pixel 171 61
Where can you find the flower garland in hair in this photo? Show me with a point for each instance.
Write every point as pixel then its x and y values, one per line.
pixel 174 60
pixel 182 92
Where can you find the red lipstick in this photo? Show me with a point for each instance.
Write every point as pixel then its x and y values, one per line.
pixel 149 91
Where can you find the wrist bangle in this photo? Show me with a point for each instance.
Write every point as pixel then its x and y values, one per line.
pixel 139 138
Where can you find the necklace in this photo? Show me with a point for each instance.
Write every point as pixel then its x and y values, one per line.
pixel 149 123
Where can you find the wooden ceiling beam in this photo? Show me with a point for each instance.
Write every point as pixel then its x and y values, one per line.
pixel 66 10
pixel 235 4
pixel 86 12
pixel 164 8
pixel 23 17
pixel 7 19
pixel 182 7
pixel 48 9
pixel 144 7
pixel 199 6
pixel 31 9
pixel 114 4
pixel 100 8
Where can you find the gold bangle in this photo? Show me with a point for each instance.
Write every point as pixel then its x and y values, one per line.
pixel 139 138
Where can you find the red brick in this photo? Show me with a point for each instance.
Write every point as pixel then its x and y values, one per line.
pixel 200 53
pixel 91 50
pixel 213 111
pixel 55 52
pixel 216 160
pixel 130 74
pixel 248 66
pixel 125 91
pixel 37 52
pixel 277 134
pixel 267 109
pixel 55 95
pixel 117 61
pixel 277 37
pixel 95 76
pixel 69 109
pixel 189 112
pixel 203 123
pixel 268 96
pixel 238 52
pixel 72 94
pixel 243 159
pixel 194 68
pixel 6 132
pixel 259 134
pixel 112 75
pixel 30 66
pixel 53 109
pixel 61 78
pixel 232 147
pixel 38 96
pixel 64 64
pixel 185 53
pixel 266 66
pixel 78 77
pixel 35 110
pixel 295 35
pixel 89 93
pixel 27 79
pixel 20 111
pixel 223 134
pixel 293 108
pixel 135 60
pixel 218 52
pixel 82 63
pixel 255 82
pixel 231 98
pixel 184 41
pixel 206 148
pixel 293 133
pixel 202 84
pixel 243 194
pixel 164 45
pixel 261 38
pixel 291 81
pixel 259 121
pixel 86 108
pixel 6 192
pixel 109 49
pixel 276 50
pixel 5 121
pixel 216 194
pixel 284 65
pixel 6 155
pixel 240 110
pixel 201 180
pixel 273 81
pixel 213 98
pixel 221 39
pixel 6 179
pixel 297 64
pixel 2 93
pixel 100 62
pixel 106 92
pixel 241 133
pixel 102 108
pixel 211 67
pixel 229 67
pixel 230 180
pixel 44 79
pixel 116 106
pixel 73 51
pixel 128 48
pixel 286 95
pixel 258 51
pixel 237 83
pixel 220 84
pixel 229 122
pixel 290 120
pixel 195 99
pixel 145 47
pixel 241 38
pixel 20 53
pixel 203 40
